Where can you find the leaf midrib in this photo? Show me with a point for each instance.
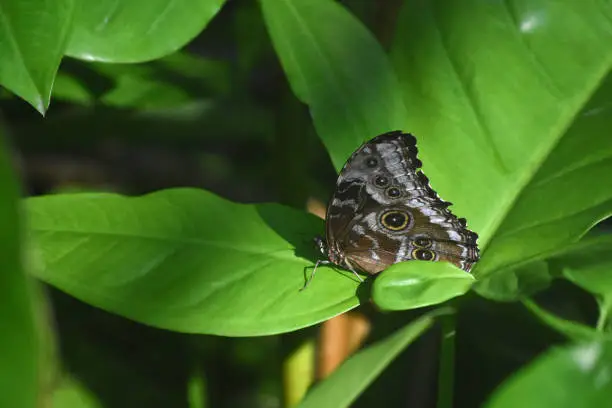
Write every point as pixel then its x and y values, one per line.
pixel 531 171
pixel 276 253
pixel 15 45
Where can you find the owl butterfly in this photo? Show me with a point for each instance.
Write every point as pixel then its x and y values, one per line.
pixel 383 211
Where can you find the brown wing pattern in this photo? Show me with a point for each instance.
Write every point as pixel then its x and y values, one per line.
pixel 384 211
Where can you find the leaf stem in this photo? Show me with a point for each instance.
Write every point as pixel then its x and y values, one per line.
pixel 604 308
pixel 446 373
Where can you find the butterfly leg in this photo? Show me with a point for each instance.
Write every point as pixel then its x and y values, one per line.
pixel 354 272
pixel 319 262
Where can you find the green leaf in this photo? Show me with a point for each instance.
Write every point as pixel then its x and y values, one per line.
pixel 588 264
pixel 33 36
pixel 409 285
pixel 19 348
pixel 335 65
pixel 347 382
pixel 576 376
pixel 250 36
pixel 515 283
pixel 518 137
pixel 137 30
pixel 527 145
pixel 187 260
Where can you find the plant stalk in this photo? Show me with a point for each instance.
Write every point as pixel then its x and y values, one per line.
pixel 604 308
pixel 446 372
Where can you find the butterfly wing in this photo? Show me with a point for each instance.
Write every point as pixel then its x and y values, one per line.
pixel 384 211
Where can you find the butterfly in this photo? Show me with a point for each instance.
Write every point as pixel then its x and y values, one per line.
pixel 384 211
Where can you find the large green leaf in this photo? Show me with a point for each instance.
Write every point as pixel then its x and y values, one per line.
pixel 511 129
pixel 346 383
pixel 187 260
pixel 19 351
pixel 577 376
pixel 336 67
pixel 137 30
pixel 527 144
pixel 33 36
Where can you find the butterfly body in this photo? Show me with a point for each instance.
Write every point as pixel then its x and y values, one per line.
pixel 383 211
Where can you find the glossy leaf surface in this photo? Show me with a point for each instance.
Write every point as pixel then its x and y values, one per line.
pixel 137 30
pixel 517 138
pixel 33 37
pixel 189 261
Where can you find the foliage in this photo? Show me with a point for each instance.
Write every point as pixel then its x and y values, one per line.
pixel 19 348
pixel 509 101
